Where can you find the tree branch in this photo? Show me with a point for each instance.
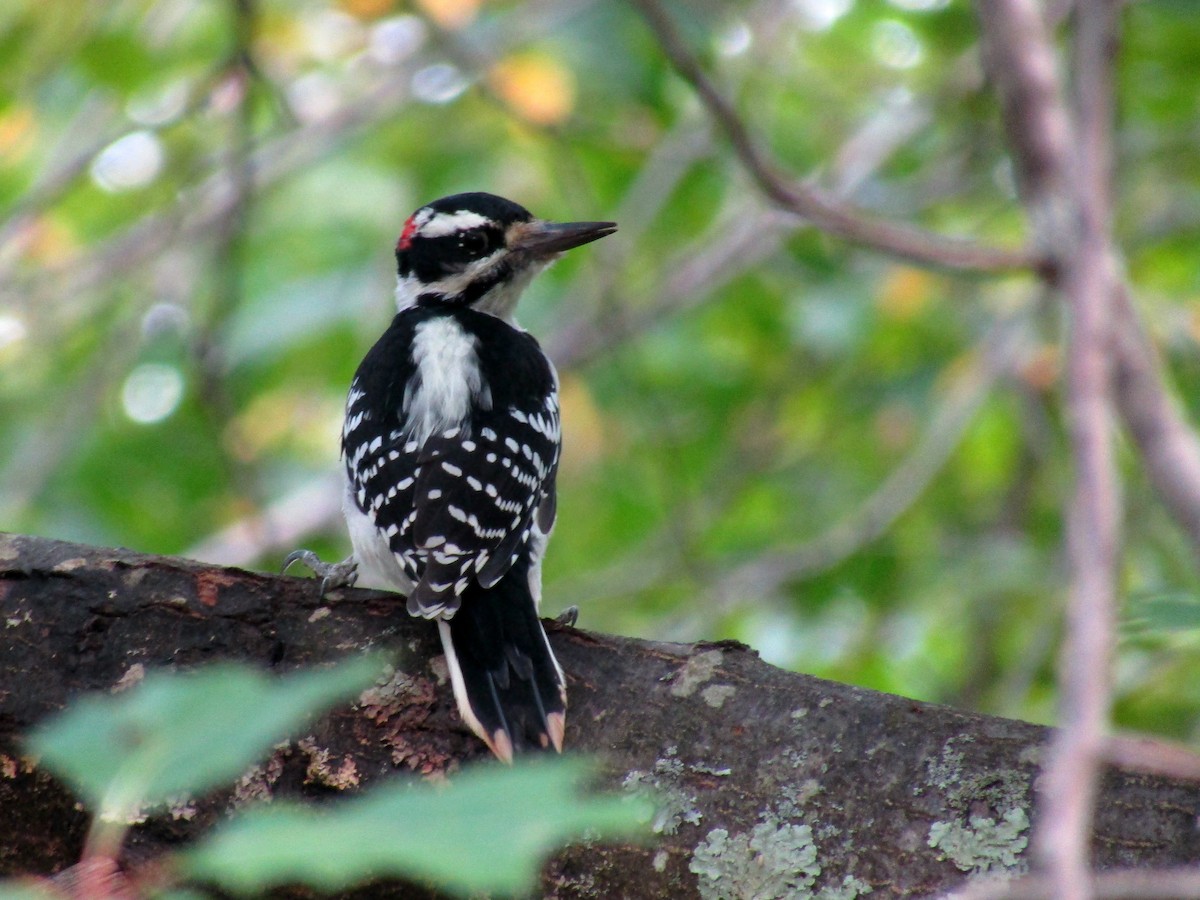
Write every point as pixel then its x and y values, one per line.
pixel 1064 171
pixel 1164 884
pixel 1166 443
pixel 769 783
pixel 822 210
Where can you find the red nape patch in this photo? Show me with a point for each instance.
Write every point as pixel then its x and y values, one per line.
pixel 407 234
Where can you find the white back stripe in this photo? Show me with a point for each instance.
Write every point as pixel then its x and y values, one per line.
pixel 448 379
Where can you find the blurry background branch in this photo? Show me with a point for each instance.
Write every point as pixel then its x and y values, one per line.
pixel 824 211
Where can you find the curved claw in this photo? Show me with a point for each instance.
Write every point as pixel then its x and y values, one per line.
pixel 332 575
pixel 305 556
pixel 337 575
pixel 568 617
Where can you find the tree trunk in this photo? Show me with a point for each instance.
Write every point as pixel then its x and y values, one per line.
pixel 769 783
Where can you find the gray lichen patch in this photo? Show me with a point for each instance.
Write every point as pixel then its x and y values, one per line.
pixel 715 695
pixel 850 889
pixel 945 772
pixel 774 860
pixel 696 671
pixel 984 846
pixel 966 788
pixel 10 549
pixel 664 786
pixel 988 834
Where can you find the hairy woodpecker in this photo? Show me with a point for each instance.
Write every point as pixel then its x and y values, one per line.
pixel 451 444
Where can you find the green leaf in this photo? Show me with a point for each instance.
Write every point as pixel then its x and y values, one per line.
pixel 179 733
pixel 489 830
pixel 25 890
pixel 1165 612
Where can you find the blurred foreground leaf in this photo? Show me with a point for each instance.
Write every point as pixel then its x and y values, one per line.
pixel 489 830
pixel 179 733
pixel 25 890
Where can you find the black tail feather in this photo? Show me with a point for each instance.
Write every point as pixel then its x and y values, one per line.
pixel 508 685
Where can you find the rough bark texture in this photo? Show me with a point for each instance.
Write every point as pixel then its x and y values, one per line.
pixel 771 784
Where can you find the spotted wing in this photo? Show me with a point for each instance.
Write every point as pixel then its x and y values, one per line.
pixel 480 494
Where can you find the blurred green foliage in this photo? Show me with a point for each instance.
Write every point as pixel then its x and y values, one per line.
pixel 181 733
pixel 491 831
pixel 177 735
pixel 174 355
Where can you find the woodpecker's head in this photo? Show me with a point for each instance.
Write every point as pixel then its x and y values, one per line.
pixel 481 251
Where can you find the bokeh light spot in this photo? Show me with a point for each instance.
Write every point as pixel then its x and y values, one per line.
pixel 151 392
pixel 130 162
pixel 12 331
pixel 896 45
pixel 396 39
pixel 438 84
pixel 538 88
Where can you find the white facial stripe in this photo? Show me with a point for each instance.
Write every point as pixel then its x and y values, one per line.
pixel 414 225
pixel 443 224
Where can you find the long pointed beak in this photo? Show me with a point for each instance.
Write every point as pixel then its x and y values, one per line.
pixel 541 239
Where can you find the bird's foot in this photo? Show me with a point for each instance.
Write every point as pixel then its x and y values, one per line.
pixel 333 575
pixel 568 616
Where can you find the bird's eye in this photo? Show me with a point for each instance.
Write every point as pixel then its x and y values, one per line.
pixel 473 243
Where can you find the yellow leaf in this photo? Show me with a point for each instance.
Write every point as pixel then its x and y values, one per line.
pixel 451 14
pixel 47 240
pixel 368 9
pixel 17 128
pixel 905 293
pixel 537 88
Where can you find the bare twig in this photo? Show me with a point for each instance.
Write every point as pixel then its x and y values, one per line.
pixel 824 211
pixel 282 525
pixel 1158 757
pixel 1038 136
pixel 1063 170
pixel 1093 523
pixel 1128 884
pixel 228 253
pixel 97 122
pixel 746 238
pixel 1166 442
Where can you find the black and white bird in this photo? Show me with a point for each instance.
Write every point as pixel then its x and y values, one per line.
pixel 451 446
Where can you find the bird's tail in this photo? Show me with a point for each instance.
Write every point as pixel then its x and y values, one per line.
pixel 509 687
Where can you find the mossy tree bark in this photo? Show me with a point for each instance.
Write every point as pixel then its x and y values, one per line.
pixel 770 783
